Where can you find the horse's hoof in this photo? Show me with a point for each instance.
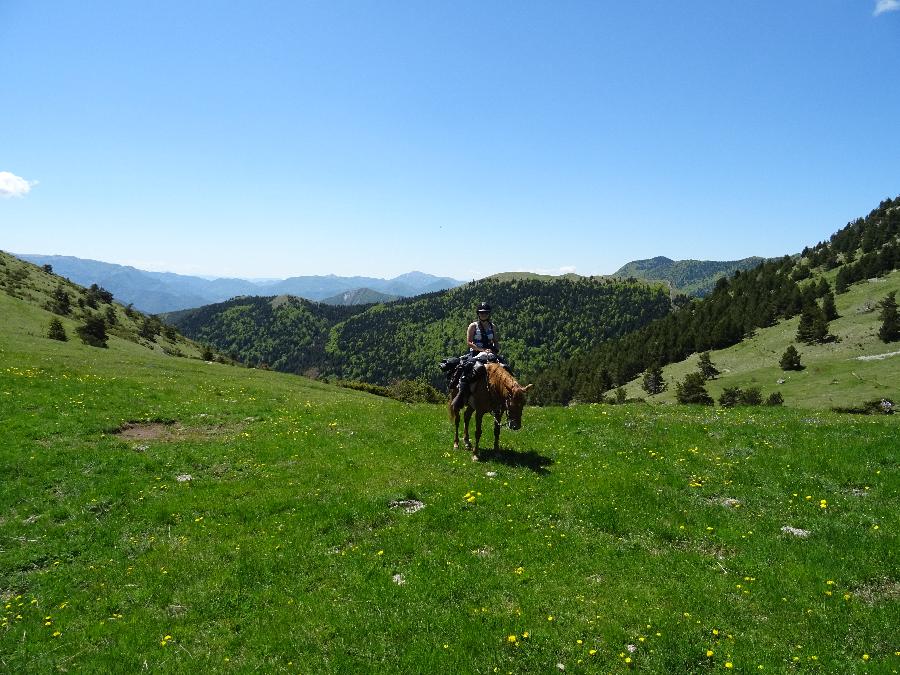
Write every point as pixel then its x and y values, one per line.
pixel 474 458
pixel 456 446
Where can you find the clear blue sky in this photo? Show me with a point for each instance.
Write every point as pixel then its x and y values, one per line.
pixel 270 139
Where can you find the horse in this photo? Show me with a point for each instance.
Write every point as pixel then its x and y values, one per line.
pixel 497 392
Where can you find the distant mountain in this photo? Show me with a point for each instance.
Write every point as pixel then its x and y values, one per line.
pixel 691 277
pixel 156 292
pixel 359 296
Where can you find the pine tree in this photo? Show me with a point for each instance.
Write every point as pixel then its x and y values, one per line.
pixel 62 303
pixel 813 326
pixel 890 322
pixel 790 360
pixel 693 390
pixel 707 369
pixel 653 380
pixel 93 332
pixel 56 330
pixel 828 307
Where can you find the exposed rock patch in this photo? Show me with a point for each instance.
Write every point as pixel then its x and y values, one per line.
pixel 408 505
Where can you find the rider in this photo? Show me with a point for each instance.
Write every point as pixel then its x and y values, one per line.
pixel 481 337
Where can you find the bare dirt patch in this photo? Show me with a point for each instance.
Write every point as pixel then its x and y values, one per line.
pixel 878 590
pixel 143 431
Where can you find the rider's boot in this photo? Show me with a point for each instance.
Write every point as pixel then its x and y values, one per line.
pixel 459 401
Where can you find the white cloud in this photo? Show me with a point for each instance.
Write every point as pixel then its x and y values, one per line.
pixel 12 185
pixel 883 6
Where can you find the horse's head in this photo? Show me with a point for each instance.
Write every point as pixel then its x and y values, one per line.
pixel 515 402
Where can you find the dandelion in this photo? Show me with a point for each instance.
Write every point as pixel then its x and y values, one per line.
pixel 729 664
pixel 709 652
pixel 511 639
pixel 549 618
pixel 865 657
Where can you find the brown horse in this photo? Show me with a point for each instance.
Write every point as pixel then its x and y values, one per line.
pixel 497 392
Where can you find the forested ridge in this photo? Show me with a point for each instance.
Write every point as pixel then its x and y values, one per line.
pixel 283 333
pixel 539 322
pixel 777 289
pixel 691 277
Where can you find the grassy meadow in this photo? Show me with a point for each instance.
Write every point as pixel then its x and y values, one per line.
pixel 247 525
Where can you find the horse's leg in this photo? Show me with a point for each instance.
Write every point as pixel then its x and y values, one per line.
pixel 478 416
pixel 496 435
pixel 456 431
pixel 466 417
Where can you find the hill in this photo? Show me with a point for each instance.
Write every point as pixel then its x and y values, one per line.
pixel 544 319
pixel 170 514
pixel 73 305
pixel 157 292
pixel 690 277
pixel 359 296
pixel 284 332
pixel 858 367
pixel 738 307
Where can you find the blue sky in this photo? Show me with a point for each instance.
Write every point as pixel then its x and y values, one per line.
pixel 272 139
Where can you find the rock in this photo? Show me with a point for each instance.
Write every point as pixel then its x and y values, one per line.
pixel 796 531
pixel 184 478
pixel 408 505
pixel 398 579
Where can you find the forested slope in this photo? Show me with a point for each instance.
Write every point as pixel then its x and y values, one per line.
pixel 539 322
pixel 284 333
pixel 779 289
pixel 691 277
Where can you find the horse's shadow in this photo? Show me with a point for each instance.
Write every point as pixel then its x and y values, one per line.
pixel 530 459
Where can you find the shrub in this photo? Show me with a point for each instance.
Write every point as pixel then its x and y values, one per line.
pixel 93 332
pixel 693 390
pixel 56 330
pixel 890 322
pixel 733 396
pixel 775 398
pixel 61 303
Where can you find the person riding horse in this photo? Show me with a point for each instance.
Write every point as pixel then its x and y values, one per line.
pixel 481 336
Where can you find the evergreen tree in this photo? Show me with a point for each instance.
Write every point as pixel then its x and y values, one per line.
pixel 56 330
pixel 790 360
pixel 62 303
pixel 93 332
pixel 707 369
pixel 111 318
pixel 693 390
pixel 653 380
pixel 828 307
pixel 621 397
pixel 813 326
pixel 890 322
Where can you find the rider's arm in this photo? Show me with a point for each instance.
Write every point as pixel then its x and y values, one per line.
pixel 470 335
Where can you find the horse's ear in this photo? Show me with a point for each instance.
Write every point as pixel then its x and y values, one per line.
pixel 527 387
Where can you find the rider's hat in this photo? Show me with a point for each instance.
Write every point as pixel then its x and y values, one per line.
pixel 484 307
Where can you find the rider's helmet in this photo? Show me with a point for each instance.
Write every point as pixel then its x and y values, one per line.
pixel 484 307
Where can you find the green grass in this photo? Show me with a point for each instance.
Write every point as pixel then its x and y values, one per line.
pixel 604 526
pixel 833 375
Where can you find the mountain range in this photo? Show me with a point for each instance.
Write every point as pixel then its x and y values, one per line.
pixel 155 292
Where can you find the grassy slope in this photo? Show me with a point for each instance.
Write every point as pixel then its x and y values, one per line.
pixel 833 375
pixel 602 528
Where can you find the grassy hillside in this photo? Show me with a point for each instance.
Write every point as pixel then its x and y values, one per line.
pixel 691 277
pixel 251 523
pixel 837 373
pixel 34 287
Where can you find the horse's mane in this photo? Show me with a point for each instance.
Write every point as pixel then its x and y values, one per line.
pixel 502 380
